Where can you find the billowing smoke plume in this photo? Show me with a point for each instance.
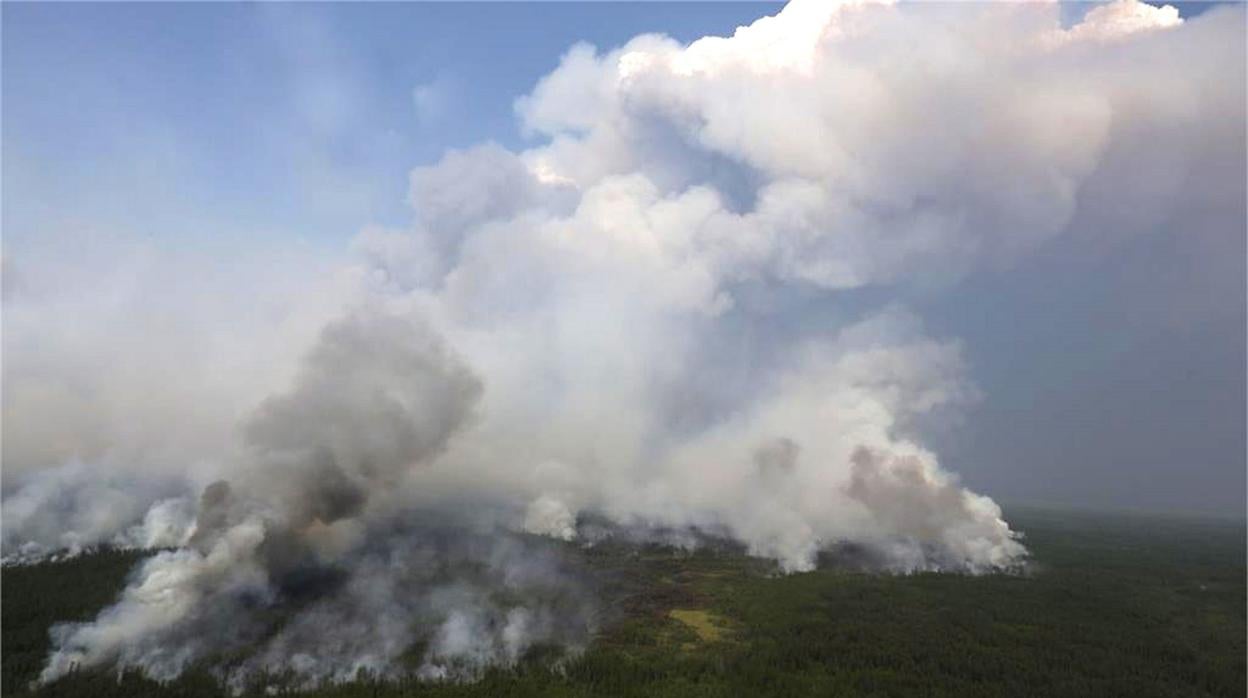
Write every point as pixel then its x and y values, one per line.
pixel 680 312
pixel 72 508
pixel 306 529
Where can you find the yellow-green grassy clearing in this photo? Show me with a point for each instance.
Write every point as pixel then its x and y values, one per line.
pixel 707 625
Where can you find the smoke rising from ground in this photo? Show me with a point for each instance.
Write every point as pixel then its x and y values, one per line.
pixel 307 529
pixel 679 312
pixel 73 507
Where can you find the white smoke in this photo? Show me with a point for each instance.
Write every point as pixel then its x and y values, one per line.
pixel 72 508
pixel 547 516
pixel 306 530
pixel 659 316
pixel 377 395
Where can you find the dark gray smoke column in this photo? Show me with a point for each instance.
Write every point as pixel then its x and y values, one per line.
pixel 377 396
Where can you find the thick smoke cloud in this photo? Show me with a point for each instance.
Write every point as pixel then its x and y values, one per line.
pixel 680 311
pixel 306 530
pixel 374 396
pixel 72 508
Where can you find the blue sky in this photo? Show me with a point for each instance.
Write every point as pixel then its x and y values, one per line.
pixel 304 118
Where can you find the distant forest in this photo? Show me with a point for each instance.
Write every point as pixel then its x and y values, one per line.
pixel 1113 606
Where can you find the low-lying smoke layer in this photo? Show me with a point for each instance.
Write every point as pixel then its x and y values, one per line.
pixel 73 508
pixel 659 316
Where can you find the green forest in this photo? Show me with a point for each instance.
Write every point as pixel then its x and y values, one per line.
pixel 1113 605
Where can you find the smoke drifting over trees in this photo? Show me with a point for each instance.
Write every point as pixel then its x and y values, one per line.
pixel 639 319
